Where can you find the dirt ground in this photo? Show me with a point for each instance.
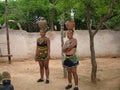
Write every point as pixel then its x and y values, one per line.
pixel 26 72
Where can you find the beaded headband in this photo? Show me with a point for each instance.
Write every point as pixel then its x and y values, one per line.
pixel 71 31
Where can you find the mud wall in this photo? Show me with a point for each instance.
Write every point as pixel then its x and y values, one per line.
pixel 23 44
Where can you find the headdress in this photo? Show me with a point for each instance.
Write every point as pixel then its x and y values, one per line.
pixel 71 31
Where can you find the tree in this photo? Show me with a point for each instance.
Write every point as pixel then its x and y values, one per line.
pixel 52 13
pixel 65 8
pixel 7 32
pixel 30 9
pixel 93 33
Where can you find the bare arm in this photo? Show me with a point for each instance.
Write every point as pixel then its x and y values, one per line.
pixel 64 49
pixel 71 46
pixel 36 51
pixel 48 46
pixel 73 43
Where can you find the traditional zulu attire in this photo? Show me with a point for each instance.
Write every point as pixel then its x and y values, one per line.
pixel 70 60
pixel 42 51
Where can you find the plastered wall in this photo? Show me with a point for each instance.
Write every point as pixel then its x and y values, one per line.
pixel 23 44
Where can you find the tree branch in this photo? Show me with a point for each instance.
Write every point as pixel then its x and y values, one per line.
pixel 88 19
pixel 105 18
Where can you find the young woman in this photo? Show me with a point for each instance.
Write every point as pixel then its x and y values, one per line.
pixel 42 55
pixel 71 60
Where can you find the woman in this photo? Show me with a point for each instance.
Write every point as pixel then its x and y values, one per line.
pixel 43 55
pixel 71 60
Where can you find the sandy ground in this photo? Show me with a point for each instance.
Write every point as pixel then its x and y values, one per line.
pixel 26 72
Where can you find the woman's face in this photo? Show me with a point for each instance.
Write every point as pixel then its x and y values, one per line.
pixel 42 33
pixel 70 35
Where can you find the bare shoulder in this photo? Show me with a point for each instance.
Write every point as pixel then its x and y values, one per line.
pixel 47 39
pixel 38 38
pixel 74 39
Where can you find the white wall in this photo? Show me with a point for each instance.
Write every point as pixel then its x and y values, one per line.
pixel 23 44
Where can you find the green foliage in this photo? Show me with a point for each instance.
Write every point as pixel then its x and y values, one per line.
pixel 26 11
pixel 2 12
pixel 114 21
pixel 100 8
pixel 2 8
pixel 1 76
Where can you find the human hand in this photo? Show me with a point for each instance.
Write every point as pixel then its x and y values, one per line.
pixel 48 57
pixel 35 59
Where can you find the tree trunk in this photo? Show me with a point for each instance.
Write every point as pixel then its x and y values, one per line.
pixel 52 14
pixel 62 43
pixel 7 32
pixel 91 35
pixel 93 60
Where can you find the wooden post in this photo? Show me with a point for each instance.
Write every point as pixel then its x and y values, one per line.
pixel 62 43
pixel 7 32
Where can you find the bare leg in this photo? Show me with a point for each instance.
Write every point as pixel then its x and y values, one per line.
pixel 69 76
pixel 69 79
pixel 46 65
pixel 74 71
pixel 41 69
